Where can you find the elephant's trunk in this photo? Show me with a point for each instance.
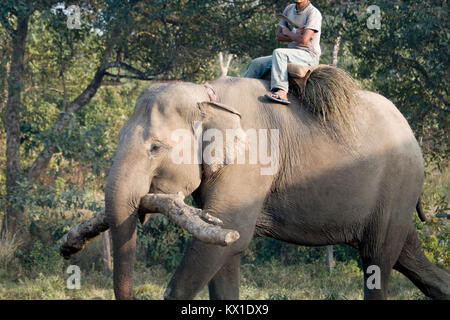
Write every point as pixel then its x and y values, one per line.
pixel 123 192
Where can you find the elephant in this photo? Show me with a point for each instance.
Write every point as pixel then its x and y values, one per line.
pixel 350 174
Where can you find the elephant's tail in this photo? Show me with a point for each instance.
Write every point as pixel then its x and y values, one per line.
pixel 419 209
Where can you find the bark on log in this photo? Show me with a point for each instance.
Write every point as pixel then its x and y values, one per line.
pixel 199 223
pixel 80 235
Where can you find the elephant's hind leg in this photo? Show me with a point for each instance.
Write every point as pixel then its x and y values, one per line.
pixel 378 255
pixel 377 270
pixel 431 280
pixel 225 284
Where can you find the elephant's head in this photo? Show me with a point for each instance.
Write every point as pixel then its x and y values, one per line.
pixel 164 127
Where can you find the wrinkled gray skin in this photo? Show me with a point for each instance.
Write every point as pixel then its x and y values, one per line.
pixel 321 194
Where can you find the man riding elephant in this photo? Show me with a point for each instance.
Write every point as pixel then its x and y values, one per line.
pixel 303 34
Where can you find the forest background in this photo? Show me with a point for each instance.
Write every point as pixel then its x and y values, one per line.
pixel 67 85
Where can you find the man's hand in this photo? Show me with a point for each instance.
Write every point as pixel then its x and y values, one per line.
pixel 288 35
pixel 300 30
pixel 302 36
pixel 281 36
pixel 286 32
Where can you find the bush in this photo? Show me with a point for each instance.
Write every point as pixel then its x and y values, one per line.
pixel 39 258
pixel 265 250
pixel 160 241
pixel 434 234
pixel 9 264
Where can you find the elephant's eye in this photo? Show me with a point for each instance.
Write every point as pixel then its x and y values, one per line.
pixel 157 148
pixel 154 148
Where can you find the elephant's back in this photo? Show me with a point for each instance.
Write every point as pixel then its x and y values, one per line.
pixel 384 130
pixel 379 125
pixel 320 178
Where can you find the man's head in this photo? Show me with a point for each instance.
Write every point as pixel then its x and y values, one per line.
pixel 301 3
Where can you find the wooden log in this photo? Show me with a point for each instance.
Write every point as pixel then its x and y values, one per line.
pixel 199 223
pixel 80 235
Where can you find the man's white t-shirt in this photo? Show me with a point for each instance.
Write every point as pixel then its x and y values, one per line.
pixel 309 17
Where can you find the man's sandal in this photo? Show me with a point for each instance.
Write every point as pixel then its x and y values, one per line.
pixel 277 98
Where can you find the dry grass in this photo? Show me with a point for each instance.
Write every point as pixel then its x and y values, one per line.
pixel 272 281
pixel 9 265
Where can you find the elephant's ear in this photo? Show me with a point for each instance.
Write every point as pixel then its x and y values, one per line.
pixel 206 105
pixel 223 137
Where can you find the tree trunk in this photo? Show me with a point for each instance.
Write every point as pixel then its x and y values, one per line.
pixel 330 259
pixel 14 214
pixel 42 160
pixel 224 62
pixel 4 72
pixel 337 45
pixel 107 261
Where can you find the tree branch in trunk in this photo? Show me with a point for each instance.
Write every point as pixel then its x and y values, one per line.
pixel 199 223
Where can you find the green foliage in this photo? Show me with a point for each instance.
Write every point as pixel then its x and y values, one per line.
pixel 407 61
pixel 278 295
pixel 51 212
pixel 39 258
pixel 267 250
pixel 434 234
pixel 160 241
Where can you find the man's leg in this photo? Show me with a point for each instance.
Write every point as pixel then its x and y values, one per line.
pixel 280 59
pixel 258 67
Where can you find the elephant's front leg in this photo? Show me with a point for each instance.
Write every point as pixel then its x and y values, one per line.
pixel 236 197
pixel 200 263
pixel 203 261
pixel 225 284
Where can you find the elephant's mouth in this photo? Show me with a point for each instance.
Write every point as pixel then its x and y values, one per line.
pixel 157 189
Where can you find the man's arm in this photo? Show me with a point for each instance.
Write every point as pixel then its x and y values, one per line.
pixel 302 38
pixel 313 25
